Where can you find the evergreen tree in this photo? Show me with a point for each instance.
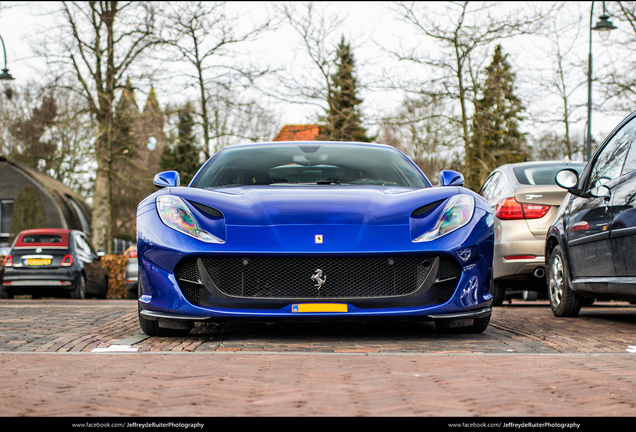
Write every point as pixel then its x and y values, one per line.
pixel 343 114
pixel 182 153
pixel 496 139
pixel 36 148
pixel 124 168
pixel 123 139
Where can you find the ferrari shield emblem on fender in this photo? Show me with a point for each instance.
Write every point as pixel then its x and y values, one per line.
pixel 318 238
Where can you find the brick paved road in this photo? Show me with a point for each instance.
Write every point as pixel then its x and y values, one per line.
pixel 89 358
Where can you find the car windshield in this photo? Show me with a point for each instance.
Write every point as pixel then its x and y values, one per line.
pixel 311 163
pixel 542 174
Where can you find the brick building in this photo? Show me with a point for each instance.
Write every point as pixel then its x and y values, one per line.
pixel 306 132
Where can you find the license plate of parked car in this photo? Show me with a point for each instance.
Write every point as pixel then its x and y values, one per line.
pixel 37 261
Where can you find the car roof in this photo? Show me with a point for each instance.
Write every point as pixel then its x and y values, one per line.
pixel 550 162
pixel 298 143
pixel 46 231
pixel 63 233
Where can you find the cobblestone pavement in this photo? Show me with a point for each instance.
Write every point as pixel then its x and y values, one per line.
pixel 89 358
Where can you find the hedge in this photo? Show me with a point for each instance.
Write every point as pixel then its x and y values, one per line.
pixel 116 267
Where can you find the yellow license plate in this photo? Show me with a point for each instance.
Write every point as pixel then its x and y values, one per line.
pixel 37 261
pixel 319 307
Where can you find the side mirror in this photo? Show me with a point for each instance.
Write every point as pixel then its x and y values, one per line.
pixel 567 178
pixel 167 179
pixel 601 192
pixel 450 178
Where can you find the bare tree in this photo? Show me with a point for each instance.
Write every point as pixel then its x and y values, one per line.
pixel 618 82
pixel 452 41
pixel 207 38
pixel 65 133
pixel 557 80
pixel 564 83
pixel 420 129
pixel 309 82
pixel 98 43
pixel 74 133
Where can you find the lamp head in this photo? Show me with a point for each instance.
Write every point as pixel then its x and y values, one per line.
pixel 5 75
pixel 604 26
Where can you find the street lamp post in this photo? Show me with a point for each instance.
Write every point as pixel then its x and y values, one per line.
pixel 604 26
pixel 5 75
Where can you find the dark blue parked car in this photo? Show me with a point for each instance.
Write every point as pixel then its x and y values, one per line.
pixel 591 246
pixel 313 231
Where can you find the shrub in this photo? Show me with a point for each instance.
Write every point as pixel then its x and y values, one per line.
pixel 116 267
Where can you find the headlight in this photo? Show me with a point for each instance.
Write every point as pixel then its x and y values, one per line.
pixel 457 212
pixel 176 215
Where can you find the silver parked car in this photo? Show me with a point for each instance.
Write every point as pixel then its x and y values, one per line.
pixel 525 200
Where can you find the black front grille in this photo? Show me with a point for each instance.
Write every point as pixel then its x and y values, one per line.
pixel 300 277
pixel 318 277
pixel 191 291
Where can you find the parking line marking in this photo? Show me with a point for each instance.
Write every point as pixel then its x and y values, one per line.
pixel 115 348
pixel 124 345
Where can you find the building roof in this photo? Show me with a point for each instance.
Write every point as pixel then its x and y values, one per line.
pixel 66 198
pixel 306 132
pixel 151 102
pixel 128 97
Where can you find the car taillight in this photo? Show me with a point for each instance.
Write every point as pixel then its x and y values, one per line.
pixel 511 209
pixel 534 211
pixel 8 261
pixel 67 261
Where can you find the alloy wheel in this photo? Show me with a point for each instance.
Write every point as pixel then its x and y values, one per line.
pixel 556 281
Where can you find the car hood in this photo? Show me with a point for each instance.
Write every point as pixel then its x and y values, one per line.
pixel 316 205
pixel 313 219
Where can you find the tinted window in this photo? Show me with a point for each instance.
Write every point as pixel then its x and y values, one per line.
pixel 313 163
pixel 630 161
pixel 490 186
pixel 542 174
pixel 82 244
pixel 502 182
pixel 42 238
pixel 609 163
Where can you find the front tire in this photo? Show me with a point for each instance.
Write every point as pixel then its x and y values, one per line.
pixel 563 301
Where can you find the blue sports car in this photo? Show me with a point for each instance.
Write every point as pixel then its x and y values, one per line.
pixel 313 231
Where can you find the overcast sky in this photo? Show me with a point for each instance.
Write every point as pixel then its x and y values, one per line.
pixel 367 23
